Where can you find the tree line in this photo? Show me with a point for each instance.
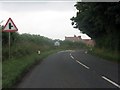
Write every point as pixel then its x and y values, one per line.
pixel 27 44
pixel 24 44
pixel 100 21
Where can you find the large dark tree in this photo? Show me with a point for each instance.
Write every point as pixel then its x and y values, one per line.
pixel 100 21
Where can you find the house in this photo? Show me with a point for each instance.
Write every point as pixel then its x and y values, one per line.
pixel 74 39
pixel 88 42
pixel 57 43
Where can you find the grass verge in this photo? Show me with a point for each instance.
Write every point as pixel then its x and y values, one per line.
pixel 109 55
pixel 14 69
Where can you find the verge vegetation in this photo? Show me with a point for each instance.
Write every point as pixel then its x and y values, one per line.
pixel 24 54
pixel 100 21
pixel 15 69
pixel 105 54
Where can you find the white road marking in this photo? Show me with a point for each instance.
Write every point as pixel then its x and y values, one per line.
pixel 79 62
pixel 82 64
pixel 72 57
pixel 117 85
pixel 111 81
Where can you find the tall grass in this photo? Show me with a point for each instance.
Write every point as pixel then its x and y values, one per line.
pixel 24 55
pixel 14 69
pixel 106 54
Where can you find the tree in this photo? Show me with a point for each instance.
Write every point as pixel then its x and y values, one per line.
pixel 100 21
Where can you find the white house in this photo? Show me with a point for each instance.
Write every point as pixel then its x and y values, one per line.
pixel 57 43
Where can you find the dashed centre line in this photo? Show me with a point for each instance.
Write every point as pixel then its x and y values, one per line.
pixel 111 81
pixel 82 64
pixel 105 78
pixel 79 62
pixel 71 56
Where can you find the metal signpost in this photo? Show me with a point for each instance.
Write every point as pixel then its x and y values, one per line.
pixel 10 27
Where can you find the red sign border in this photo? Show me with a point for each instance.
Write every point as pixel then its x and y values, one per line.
pixel 9 29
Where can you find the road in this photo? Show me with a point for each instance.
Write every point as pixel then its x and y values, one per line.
pixel 72 69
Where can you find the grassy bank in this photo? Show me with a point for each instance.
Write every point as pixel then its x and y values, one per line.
pixel 14 69
pixel 106 54
pixel 24 55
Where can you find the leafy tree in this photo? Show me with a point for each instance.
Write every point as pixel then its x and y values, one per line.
pixel 100 21
pixel 24 44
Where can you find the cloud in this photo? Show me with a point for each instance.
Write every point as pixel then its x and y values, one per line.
pixel 100 0
pixel 37 6
pixel 47 19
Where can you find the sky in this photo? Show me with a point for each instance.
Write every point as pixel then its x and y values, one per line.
pixel 100 0
pixel 46 18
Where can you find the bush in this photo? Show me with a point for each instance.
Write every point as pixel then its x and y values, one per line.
pixel 107 54
pixel 25 44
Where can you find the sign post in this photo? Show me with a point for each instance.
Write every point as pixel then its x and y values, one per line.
pixel 9 27
pixel 9 45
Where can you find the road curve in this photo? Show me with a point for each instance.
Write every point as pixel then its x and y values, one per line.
pixel 72 69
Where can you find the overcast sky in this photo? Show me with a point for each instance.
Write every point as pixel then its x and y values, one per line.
pixel 100 0
pixel 49 19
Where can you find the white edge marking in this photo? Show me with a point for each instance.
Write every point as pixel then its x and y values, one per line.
pixel 82 64
pixel 111 81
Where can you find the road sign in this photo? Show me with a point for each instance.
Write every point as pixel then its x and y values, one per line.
pixel 10 26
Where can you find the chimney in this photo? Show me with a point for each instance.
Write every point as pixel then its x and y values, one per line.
pixel 74 35
pixel 79 37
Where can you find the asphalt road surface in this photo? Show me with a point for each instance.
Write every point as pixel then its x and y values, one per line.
pixel 72 69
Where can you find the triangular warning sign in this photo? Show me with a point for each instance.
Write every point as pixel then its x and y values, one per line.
pixel 10 26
